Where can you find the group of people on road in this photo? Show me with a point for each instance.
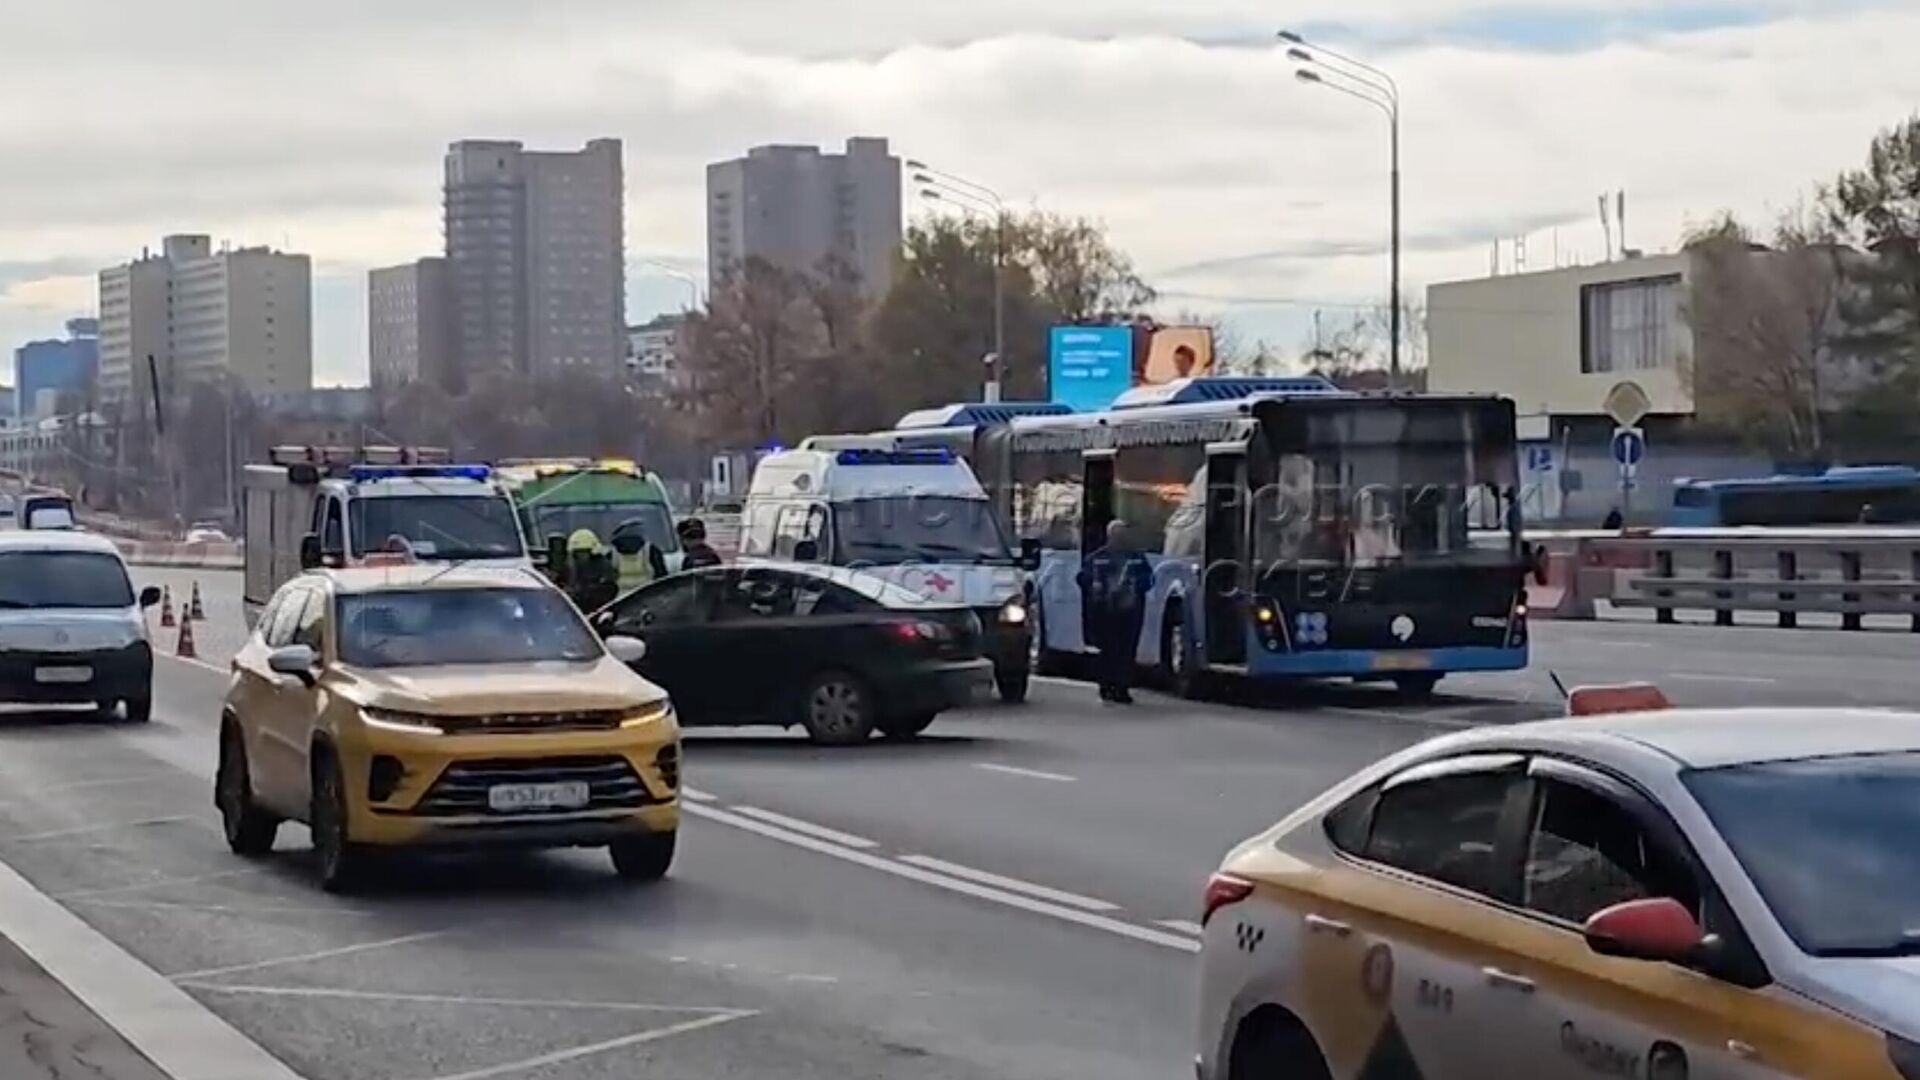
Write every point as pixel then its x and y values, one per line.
pixel 594 574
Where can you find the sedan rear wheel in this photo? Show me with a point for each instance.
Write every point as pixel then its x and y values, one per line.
pixel 837 710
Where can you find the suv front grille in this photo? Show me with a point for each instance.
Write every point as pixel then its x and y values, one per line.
pixel 462 787
pixel 507 723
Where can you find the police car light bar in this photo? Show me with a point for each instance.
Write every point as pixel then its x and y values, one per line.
pixel 874 456
pixel 361 474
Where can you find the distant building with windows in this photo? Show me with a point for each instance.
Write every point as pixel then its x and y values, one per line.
pixel 535 257
pixel 653 349
pixel 203 314
pixel 408 323
pixel 43 371
pixel 796 207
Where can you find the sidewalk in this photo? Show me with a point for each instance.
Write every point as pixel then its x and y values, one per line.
pixel 47 1034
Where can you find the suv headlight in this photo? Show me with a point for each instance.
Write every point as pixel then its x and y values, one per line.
pixel 1014 612
pixel 649 713
pixel 403 723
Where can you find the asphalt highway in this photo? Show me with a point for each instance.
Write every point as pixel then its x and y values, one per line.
pixel 1010 897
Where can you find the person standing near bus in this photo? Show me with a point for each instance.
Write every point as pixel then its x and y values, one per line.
pixel 637 561
pixel 693 541
pixel 1114 582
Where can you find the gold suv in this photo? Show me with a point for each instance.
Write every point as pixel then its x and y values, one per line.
pixel 427 706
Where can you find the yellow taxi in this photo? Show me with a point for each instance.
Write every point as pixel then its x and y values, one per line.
pixel 410 705
pixel 1659 894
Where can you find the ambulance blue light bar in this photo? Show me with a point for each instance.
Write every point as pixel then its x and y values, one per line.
pixel 361 474
pixel 877 456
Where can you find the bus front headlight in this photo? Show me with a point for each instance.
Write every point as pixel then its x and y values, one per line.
pixel 1014 612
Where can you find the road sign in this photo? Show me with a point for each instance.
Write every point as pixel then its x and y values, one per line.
pixel 1629 447
pixel 1627 404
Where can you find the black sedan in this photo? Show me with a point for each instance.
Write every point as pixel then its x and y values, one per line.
pixel 832 650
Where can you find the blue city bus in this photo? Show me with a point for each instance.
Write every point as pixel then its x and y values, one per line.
pixel 1857 495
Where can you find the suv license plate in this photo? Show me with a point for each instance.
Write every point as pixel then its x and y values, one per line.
pixel 75 674
pixel 517 798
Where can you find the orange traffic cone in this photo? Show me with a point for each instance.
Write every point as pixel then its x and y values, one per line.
pixel 194 610
pixel 166 606
pixel 185 649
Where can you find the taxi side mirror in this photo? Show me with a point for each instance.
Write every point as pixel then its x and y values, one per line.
pixel 627 650
pixel 295 660
pixel 1657 928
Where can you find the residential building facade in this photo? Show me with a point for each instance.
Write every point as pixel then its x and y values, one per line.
pixel 408 323
pixel 653 349
pixel 245 313
pixel 796 208
pixel 535 251
pixel 43 371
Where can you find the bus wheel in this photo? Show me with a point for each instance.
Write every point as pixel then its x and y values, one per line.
pixel 1180 669
pixel 1419 687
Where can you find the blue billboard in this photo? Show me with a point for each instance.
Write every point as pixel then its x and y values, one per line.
pixel 1089 366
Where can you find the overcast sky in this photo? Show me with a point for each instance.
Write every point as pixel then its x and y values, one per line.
pixel 1177 122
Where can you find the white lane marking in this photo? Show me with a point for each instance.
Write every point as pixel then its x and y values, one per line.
pixel 1061 680
pixel 324 954
pixel 817 831
pixel 1402 717
pixel 209 665
pixel 1058 896
pixel 560 1056
pixel 1185 926
pixel 951 884
pixel 814 978
pixel 83 830
pixel 1035 774
pixel 449 999
pixel 697 795
pixel 222 909
pixel 1706 676
pixel 163 1022
pixel 104 781
pixel 157 883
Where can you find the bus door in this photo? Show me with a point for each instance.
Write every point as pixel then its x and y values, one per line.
pixel 1096 512
pixel 1226 568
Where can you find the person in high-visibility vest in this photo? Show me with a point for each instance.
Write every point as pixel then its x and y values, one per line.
pixel 636 559
pixel 590 572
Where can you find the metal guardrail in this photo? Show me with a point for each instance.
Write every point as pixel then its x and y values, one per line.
pixel 1851 573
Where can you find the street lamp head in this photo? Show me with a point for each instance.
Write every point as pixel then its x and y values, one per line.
pixel 1307 76
pixel 927 193
pixel 1290 36
pixel 922 178
pixel 1300 55
pixel 913 164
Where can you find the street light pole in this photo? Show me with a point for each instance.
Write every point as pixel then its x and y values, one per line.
pixel 1376 88
pixel 945 187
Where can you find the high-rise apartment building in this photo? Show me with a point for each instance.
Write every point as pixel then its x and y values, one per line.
pixel 408 323
pixel 796 207
pixel 536 270
pixel 204 314
pixel 44 371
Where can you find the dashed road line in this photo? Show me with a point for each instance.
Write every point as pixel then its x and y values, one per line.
pixel 208 665
pixel 84 830
pixel 1707 676
pixel 157 883
pixel 222 909
pixel 1031 774
pixel 1058 896
pixel 324 954
pixel 447 999
pixel 1117 927
pixel 106 781
pixel 1185 926
pixel 820 832
pixel 1400 716
pixel 696 795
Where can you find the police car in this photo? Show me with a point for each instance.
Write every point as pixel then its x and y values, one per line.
pixel 1660 893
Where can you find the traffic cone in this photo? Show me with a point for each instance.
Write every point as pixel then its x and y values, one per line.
pixel 185 649
pixel 166 606
pixel 194 610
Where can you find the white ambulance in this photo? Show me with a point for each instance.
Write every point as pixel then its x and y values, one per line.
pixel 918 518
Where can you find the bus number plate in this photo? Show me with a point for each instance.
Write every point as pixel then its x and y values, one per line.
pixel 1402 661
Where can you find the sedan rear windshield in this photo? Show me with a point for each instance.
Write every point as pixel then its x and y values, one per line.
pixel 63 579
pixel 1830 845
pixel 461 626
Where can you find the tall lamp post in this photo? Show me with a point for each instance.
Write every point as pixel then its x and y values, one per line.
pixel 692 284
pixel 937 186
pixel 1321 66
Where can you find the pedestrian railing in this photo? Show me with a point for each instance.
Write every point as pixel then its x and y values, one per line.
pixel 1851 573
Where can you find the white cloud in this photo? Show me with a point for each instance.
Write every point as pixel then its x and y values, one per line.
pixel 245 121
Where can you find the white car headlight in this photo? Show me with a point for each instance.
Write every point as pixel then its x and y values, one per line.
pixel 400 722
pixel 1014 612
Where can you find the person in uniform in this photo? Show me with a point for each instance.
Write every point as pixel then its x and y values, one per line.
pixel 591 580
pixel 636 560
pixel 693 541
pixel 1114 582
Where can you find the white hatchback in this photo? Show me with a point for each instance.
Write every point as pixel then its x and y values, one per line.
pixel 71 628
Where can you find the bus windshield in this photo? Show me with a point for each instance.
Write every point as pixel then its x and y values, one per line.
pixel 1388 484
pixel 917 528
